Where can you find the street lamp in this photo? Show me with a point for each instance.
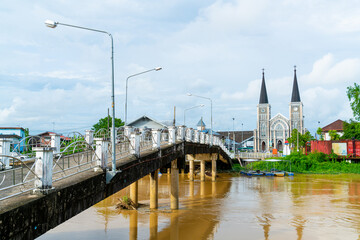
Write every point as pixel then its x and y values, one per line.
pixel 201 105
pixel 53 24
pixel 211 122
pixel 234 142
pixel 127 79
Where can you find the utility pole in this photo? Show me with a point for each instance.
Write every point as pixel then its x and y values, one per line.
pixel 174 116
pixel 234 136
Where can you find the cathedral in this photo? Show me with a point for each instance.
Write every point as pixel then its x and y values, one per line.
pixel 272 132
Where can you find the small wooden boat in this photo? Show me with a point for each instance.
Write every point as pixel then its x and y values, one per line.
pixel 277 173
pixel 289 173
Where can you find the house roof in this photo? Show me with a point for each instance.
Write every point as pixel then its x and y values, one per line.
pixel 140 122
pixel 338 125
pixel 263 93
pixel 10 136
pixel 295 96
pixel 61 136
pixel 239 135
pixel 12 128
pixel 200 123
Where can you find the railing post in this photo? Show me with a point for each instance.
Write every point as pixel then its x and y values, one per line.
pixel 5 150
pixel 196 136
pixel 43 169
pixel 127 131
pixel 102 146
pixel 89 137
pixel 156 138
pixel 172 135
pixel 207 139
pixel 202 137
pixel 55 142
pixel 135 144
pixel 189 135
pixel 181 131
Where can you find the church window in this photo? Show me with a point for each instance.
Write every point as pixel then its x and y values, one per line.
pixel 279 131
pixel 263 130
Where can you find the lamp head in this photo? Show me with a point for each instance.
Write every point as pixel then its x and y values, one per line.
pixel 158 68
pixel 202 105
pixel 50 23
pixel 189 94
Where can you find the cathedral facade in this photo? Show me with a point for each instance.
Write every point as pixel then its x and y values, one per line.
pixel 272 132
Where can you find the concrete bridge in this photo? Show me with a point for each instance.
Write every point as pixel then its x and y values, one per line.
pixel 54 182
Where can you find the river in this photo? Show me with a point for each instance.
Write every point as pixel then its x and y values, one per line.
pixel 233 207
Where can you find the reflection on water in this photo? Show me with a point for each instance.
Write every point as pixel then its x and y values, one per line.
pixel 233 207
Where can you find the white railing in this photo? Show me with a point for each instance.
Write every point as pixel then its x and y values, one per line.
pixel 23 166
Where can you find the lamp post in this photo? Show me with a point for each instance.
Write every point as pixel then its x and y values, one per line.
pixel 53 24
pixel 127 79
pixel 211 122
pixel 201 105
pixel 242 135
pixel 234 142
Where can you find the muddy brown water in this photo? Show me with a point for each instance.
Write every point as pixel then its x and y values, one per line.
pixel 233 207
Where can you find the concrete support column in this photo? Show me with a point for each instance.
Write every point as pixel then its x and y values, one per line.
pixel 135 144
pixel 89 137
pixel 172 135
pixel 5 150
pixel 174 194
pixel 43 168
pixel 154 189
pixel 191 166
pixel 55 142
pixel 102 146
pixel 213 167
pixel 134 193
pixel 202 170
pixel 156 139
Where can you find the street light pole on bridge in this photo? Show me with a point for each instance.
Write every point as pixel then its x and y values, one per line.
pixel 53 24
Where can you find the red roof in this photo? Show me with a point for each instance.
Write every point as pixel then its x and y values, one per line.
pixel 338 125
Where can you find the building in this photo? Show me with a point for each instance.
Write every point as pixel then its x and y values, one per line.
pixel 145 122
pixel 338 126
pixel 201 125
pixel 272 132
pixel 15 134
pixel 244 140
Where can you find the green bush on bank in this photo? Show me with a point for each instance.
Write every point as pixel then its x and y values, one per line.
pixel 311 163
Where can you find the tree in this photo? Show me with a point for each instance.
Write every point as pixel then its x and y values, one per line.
pixel 319 132
pixel 103 123
pixel 353 94
pixel 334 135
pixel 301 138
pixel 351 130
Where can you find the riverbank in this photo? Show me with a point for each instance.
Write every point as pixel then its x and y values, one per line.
pixel 313 163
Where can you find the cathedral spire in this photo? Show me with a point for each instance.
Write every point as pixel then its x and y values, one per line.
pixel 295 96
pixel 263 93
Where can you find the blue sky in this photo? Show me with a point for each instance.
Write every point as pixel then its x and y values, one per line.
pixel 214 49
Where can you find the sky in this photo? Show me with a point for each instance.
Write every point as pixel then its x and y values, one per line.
pixel 60 79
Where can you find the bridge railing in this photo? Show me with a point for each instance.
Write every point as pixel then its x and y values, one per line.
pixel 38 162
pixel 256 155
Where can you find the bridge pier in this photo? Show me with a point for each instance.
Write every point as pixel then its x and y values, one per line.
pixel 154 189
pixel 213 167
pixel 174 195
pixel 134 193
pixel 202 170
pixel 191 166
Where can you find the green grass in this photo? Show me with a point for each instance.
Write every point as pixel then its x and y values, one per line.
pixel 312 163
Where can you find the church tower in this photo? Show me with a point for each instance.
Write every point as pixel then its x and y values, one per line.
pixel 296 108
pixel 262 133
